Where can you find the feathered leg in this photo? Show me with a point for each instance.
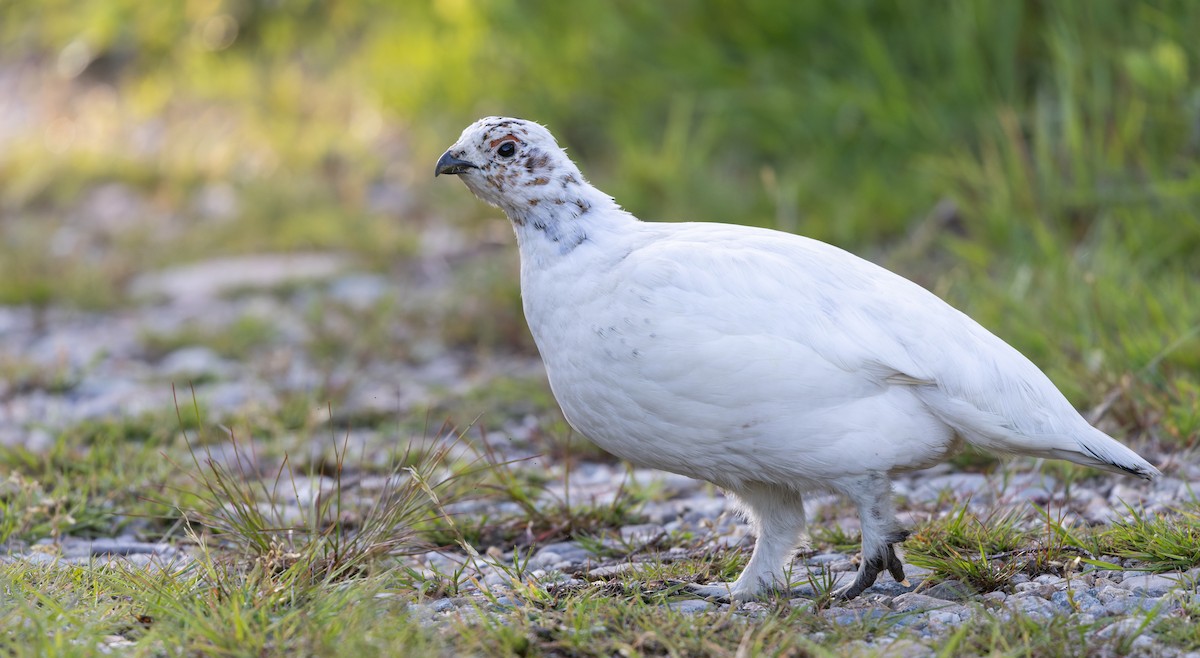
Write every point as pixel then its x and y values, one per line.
pixel 776 515
pixel 872 494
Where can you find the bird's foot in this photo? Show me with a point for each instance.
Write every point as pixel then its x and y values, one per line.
pixel 869 572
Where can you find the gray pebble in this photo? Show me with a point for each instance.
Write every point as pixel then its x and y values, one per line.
pixel 443 605
pixel 845 616
pixel 994 598
pixel 193 362
pixel 691 606
pixel 910 601
pixel 640 534
pixel 1032 606
pixel 1150 584
pixel 611 570
pixel 503 603
pixel 951 590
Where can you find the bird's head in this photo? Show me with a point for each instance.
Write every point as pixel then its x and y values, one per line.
pixel 514 164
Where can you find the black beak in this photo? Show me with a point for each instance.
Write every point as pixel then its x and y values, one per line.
pixel 448 164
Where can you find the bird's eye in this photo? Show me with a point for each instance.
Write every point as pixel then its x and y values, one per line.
pixel 507 149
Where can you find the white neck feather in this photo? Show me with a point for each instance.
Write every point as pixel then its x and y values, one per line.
pixel 562 218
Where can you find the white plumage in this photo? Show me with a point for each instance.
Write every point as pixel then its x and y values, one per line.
pixel 764 362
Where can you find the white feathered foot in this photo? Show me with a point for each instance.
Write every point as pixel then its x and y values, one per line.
pixel 776 515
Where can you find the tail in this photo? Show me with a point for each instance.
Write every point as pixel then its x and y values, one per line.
pixel 1079 442
pixel 1089 447
pixel 1102 451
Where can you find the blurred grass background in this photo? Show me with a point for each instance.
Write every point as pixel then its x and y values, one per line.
pixel 1035 163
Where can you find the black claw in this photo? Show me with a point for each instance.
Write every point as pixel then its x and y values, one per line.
pixel 870 571
pixel 866 577
pixel 847 593
pixel 895 567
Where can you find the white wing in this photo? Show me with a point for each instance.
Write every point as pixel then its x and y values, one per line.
pixel 871 322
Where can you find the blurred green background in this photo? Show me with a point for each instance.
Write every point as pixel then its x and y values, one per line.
pixel 1033 162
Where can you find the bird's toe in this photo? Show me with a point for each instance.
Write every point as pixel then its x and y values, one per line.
pixel 867 574
pixel 894 565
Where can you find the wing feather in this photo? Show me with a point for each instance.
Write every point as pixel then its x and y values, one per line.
pixel 867 320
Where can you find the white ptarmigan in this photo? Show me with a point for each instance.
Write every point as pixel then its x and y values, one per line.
pixel 766 363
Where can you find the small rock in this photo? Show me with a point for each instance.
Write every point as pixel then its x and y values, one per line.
pixel 951 590
pixel 993 599
pixel 914 573
pixel 545 558
pixel 1030 586
pixel 568 551
pixel 962 485
pixel 1123 628
pixel 1119 601
pixel 503 603
pixel 910 601
pixel 1032 606
pixel 941 620
pixel 1150 584
pixel 1036 495
pixel 889 588
pixel 845 616
pixel 641 534
pixel 192 362
pixel 1098 510
pixel 497 579
pixel 611 570
pixel 445 605
pixel 691 606
pixel 1078 602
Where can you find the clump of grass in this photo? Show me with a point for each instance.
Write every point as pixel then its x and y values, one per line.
pixel 961 546
pixel 328 532
pixel 543 517
pixel 1162 542
pixel 834 537
pixel 204 609
pixel 92 480
pixel 31 509
pixel 1180 629
pixel 1018 634
pixel 697 563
